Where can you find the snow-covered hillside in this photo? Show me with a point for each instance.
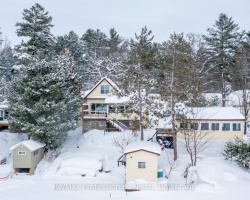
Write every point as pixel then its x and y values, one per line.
pixel 60 175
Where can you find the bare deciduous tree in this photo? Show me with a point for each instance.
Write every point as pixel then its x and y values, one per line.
pixel 123 139
pixel 196 140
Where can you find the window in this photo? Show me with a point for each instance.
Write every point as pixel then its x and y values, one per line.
pixel 183 126
pixel 226 127
pixel 204 126
pixel 98 108
pixel 111 109
pixel 1 114
pixel 215 126
pixel 141 165
pixel 236 127
pixel 21 152
pixel 120 109
pixel 104 89
pixel 35 152
pixel 194 126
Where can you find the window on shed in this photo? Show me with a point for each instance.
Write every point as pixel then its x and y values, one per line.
pixel 21 152
pixel 141 165
pixel 236 127
pixel 35 152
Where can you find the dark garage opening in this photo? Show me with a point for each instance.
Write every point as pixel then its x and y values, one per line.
pixel 23 170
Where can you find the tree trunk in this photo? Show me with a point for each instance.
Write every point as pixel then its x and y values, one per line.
pixel 172 109
pixel 140 113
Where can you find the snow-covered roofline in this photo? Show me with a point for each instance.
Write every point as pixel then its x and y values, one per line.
pixel 32 145
pixel 214 113
pixel 104 78
pixel 116 100
pixel 143 145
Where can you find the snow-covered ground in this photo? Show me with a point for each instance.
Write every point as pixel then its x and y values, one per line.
pixel 60 174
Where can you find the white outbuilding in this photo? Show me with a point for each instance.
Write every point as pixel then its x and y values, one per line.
pixel 142 161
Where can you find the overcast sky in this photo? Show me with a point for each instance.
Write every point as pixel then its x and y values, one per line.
pixel 127 16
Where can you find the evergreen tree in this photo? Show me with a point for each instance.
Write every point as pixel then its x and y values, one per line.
pixel 138 80
pixel 76 48
pixel 7 62
pixel 239 151
pixel 45 100
pixel 223 41
pixel 104 55
pixel 36 27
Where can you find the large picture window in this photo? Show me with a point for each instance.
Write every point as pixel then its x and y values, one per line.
pixel 98 108
pixel 104 89
pixel 236 127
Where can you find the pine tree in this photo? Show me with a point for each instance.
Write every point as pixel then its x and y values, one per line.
pixel 138 80
pixel 45 100
pixel 104 55
pixel 223 41
pixel 239 151
pixel 36 27
pixel 76 48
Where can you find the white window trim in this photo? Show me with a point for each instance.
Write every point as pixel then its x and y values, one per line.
pixel 35 152
pixel 140 164
pixel 105 90
pixel 236 124
pixel 223 126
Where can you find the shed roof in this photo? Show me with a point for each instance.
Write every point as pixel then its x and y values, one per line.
pixel 143 145
pixel 32 145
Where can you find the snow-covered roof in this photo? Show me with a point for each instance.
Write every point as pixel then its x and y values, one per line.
pixel 85 93
pixel 214 113
pixel 3 106
pixel 116 100
pixel 104 78
pixel 143 145
pixel 32 145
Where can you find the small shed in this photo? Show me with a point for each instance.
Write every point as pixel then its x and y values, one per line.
pixel 26 155
pixel 142 161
